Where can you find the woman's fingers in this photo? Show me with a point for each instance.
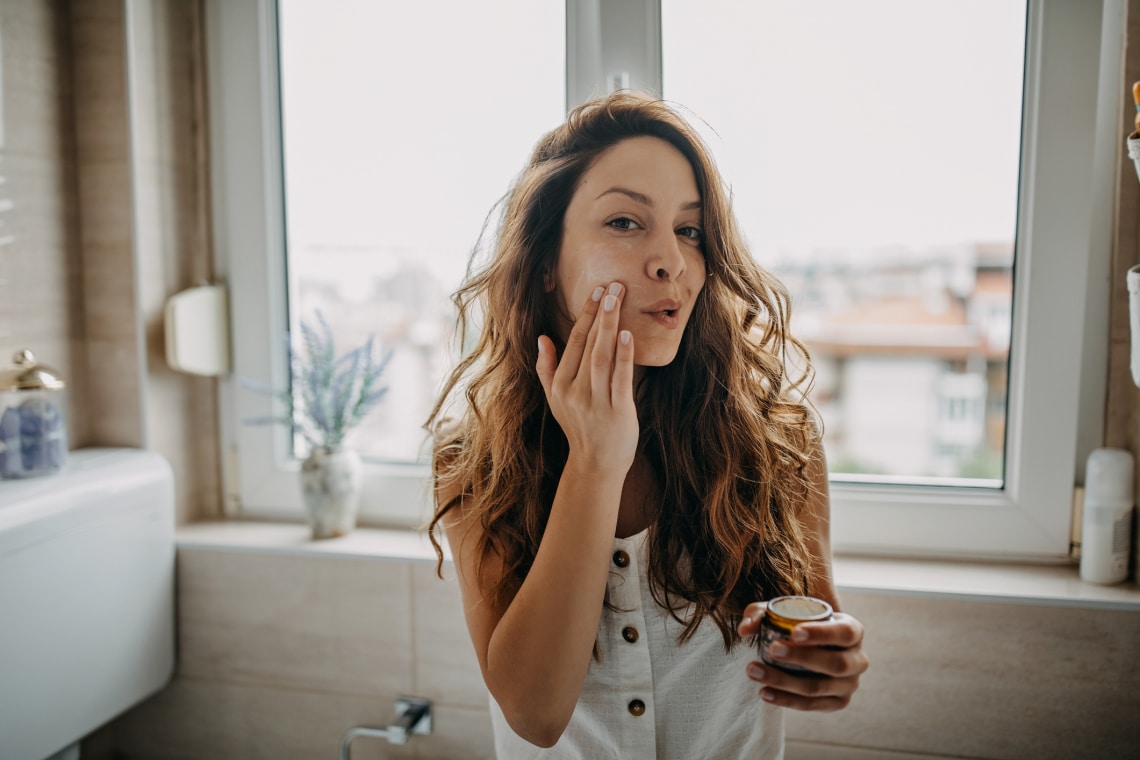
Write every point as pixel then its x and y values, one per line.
pixel 828 661
pixel 750 623
pixel 604 342
pixel 841 630
pixel 547 363
pixel 593 347
pixel 622 389
pixel 803 692
pixel 830 648
pixel 808 704
pixel 579 337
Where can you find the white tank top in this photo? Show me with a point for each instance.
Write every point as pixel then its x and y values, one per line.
pixel 650 697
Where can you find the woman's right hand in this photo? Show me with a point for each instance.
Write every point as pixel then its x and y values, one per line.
pixel 590 391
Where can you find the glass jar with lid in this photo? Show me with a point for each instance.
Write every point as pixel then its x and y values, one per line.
pixel 33 419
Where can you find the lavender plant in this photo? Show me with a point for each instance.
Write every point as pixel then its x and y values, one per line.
pixel 330 394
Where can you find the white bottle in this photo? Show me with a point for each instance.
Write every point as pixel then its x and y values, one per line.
pixel 1107 521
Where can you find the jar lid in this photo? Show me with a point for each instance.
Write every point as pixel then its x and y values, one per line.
pixel 29 376
pixel 799 609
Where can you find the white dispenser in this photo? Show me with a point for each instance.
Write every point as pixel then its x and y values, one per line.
pixel 1107 523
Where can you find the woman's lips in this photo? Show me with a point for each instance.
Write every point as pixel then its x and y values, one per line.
pixel 665 312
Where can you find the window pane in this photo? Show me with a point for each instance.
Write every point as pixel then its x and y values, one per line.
pixel 403 124
pixel 873 153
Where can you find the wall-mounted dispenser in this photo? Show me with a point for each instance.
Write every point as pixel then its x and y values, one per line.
pixel 198 331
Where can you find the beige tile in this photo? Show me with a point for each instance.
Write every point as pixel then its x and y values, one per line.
pixel 337 624
pixel 457 732
pixel 98 48
pixel 196 720
pixel 38 317
pixel 1119 427
pixel 446 667
pixel 186 434
pixel 114 397
pixel 41 193
pixel 201 404
pixel 171 256
pixel 105 198
pixel 163 100
pixel 36 76
pixel 109 304
pixel 988 680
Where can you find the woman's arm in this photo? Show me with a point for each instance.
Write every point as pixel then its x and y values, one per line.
pixel 833 648
pixel 534 652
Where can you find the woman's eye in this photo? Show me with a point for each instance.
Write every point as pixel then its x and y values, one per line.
pixel 693 233
pixel 623 223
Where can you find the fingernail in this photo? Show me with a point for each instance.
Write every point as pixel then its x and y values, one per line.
pixel 609 303
pixel 756 673
pixel 615 288
pixel 778 650
pixel 597 296
pixel 624 337
pixel 799 635
pixel 540 346
pixel 767 696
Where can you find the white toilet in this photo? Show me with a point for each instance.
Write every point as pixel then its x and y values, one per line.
pixel 86 597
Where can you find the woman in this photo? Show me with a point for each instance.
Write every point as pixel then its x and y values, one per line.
pixel 633 470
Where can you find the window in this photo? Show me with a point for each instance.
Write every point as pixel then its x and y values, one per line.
pixel 885 196
pixel 392 157
pixel 374 140
pixel 1000 425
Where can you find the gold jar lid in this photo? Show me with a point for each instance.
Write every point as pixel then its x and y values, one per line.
pixel 789 611
pixel 27 375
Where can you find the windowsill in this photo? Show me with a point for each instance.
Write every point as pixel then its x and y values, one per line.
pixel 1048 585
pixel 294 538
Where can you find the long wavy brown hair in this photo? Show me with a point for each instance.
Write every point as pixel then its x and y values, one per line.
pixel 725 425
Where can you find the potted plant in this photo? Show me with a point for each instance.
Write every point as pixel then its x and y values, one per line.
pixel 330 396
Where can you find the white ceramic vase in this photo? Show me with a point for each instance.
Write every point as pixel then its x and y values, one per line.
pixel 330 480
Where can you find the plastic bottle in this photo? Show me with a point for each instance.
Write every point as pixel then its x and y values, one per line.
pixel 1107 522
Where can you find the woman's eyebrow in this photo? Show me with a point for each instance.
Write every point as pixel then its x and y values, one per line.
pixel 644 199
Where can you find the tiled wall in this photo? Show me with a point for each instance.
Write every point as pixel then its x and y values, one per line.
pixel 102 158
pixel 988 680
pixel 166 79
pixel 41 278
pixel 279 655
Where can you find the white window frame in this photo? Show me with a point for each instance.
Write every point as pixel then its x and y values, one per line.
pixel 1055 408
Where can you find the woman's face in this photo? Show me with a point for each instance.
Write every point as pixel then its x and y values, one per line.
pixel 635 218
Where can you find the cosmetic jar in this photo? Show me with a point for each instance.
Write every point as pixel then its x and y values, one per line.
pixel 33 419
pixel 783 615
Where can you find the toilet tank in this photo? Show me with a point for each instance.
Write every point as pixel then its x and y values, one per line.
pixel 86 596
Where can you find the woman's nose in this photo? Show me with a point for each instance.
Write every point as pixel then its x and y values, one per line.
pixel 667 262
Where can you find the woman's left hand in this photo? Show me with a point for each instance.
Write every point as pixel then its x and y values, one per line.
pixel 831 649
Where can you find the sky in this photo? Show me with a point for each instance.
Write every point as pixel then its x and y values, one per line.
pixel 837 123
pixel 869 123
